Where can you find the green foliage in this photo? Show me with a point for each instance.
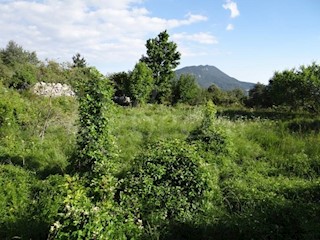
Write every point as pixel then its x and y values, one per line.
pixel 53 72
pixel 134 128
pixel 27 205
pixel 162 58
pixel 36 133
pixel 235 97
pixel 120 81
pixel 93 142
pixel 296 89
pixel 242 178
pixel 81 217
pixel 15 201
pixel 258 97
pixel 215 94
pixel 166 184
pixel 261 206
pixel 78 61
pixel 210 139
pixel 18 67
pixel 186 90
pixel 89 210
pixel 14 54
pixel 23 77
pixel 141 83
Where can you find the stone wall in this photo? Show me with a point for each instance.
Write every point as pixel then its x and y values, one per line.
pixel 52 89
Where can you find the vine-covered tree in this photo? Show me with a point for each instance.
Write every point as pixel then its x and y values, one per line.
pixel 94 92
pixel 141 83
pixel 162 58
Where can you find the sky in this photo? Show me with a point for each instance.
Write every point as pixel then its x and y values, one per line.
pixel 247 39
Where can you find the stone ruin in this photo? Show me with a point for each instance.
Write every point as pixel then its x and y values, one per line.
pixel 53 89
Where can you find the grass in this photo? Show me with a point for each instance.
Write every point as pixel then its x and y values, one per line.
pixel 266 188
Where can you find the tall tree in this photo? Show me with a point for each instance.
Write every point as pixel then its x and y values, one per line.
pixel 141 82
pixel 162 58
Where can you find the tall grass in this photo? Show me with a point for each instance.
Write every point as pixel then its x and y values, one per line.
pixel 267 187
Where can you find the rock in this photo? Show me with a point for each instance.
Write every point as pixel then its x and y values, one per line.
pixel 122 100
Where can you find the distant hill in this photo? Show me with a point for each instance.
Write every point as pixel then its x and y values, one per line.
pixel 208 75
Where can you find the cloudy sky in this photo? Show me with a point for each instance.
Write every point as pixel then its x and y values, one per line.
pixel 247 39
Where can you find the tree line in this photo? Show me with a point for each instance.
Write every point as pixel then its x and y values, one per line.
pixel 153 80
pixel 294 89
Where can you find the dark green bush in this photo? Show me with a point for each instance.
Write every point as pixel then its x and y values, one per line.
pixel 166 184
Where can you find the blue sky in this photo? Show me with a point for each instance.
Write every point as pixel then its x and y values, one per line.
pixel 247 39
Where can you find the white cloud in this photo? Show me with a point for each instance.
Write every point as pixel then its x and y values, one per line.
pixel 230 27
pixel 232 6
pixel 104 32
pixel 202 37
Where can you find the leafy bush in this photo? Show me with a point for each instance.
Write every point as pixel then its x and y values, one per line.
pixel 82 217
pixel 166 184
pixel 23 77
pixel 209 138
pixel 15 201
pixel 27 206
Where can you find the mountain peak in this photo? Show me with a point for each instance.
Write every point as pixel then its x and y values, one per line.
pixel 207 75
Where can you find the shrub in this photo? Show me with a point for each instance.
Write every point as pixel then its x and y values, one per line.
pixel 82 217
pixel 165 185
pixel 24 77
pixel 15 201
pixel 209 138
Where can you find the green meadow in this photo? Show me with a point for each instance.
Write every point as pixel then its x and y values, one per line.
pixel 258 177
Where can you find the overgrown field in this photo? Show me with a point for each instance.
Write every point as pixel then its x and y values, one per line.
pixel 262 173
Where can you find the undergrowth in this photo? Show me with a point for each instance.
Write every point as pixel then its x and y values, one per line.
pixel 263 183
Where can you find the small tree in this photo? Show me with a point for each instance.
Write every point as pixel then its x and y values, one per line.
pixel 216 94
pixel 79 61
pixel 258 96
pixel 141 83
pixel 162 58
pixel 186 90
pixel 120 81
pixel 23 77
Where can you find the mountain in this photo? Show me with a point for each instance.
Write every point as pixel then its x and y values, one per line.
pixel 208 75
